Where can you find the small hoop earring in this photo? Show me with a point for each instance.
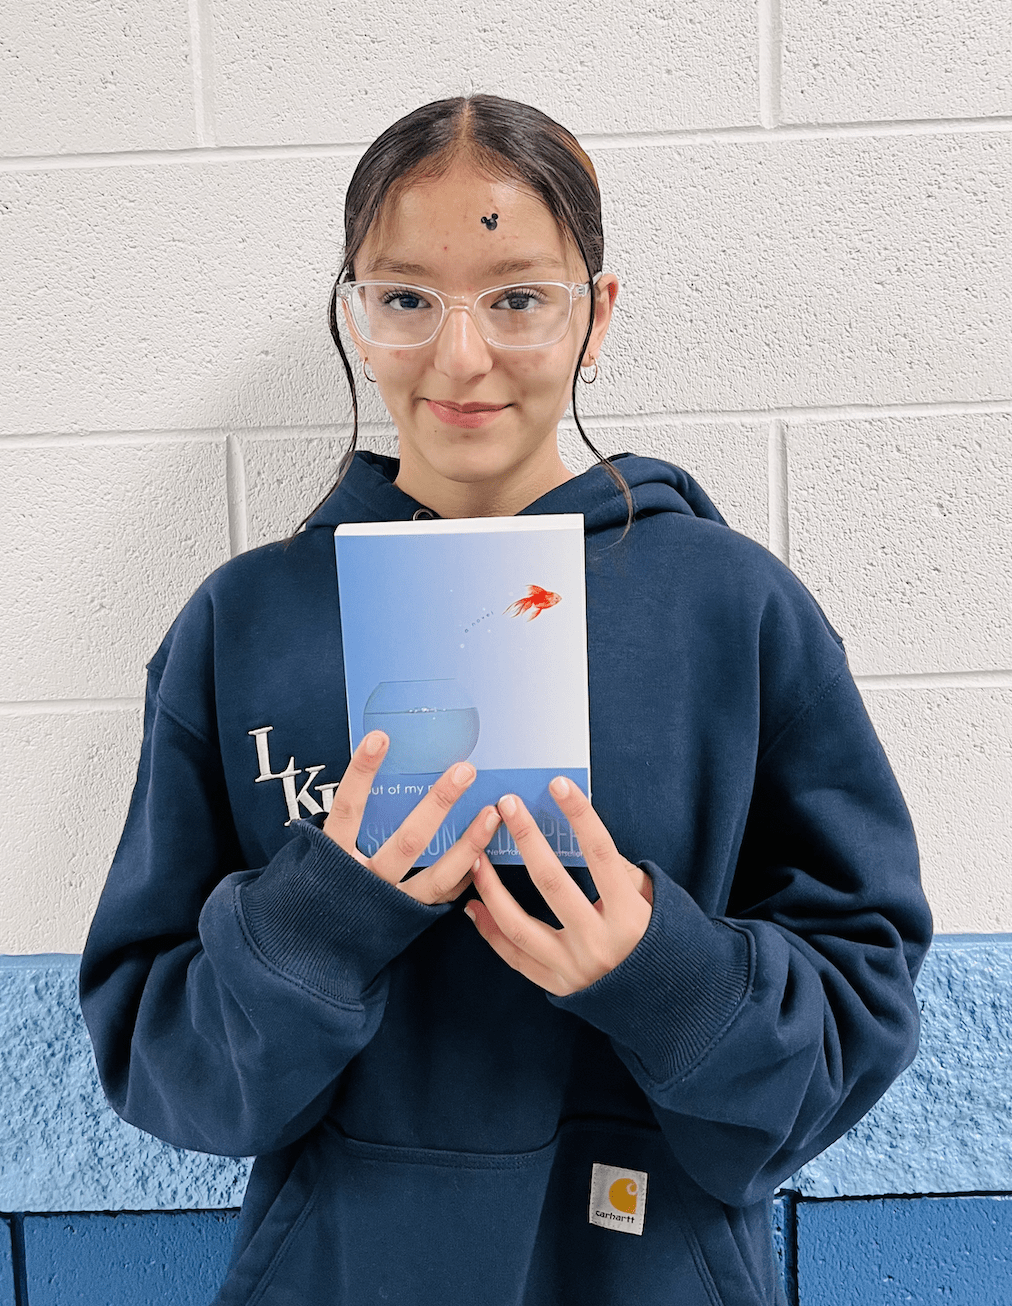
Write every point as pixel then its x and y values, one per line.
pixel 589 380
pixel 365 369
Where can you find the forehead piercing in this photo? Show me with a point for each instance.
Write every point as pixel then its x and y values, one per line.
pixel 491 222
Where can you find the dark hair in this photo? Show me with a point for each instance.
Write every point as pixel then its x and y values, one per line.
pixel 509 141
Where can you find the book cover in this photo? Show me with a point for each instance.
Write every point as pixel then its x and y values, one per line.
pixel 466 639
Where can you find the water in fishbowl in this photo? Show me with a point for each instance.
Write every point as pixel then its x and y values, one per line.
pixel 431 724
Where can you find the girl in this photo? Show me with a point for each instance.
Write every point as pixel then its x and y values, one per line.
pixel 589 1094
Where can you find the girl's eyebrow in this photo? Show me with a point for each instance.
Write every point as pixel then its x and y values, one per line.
pixel 381 264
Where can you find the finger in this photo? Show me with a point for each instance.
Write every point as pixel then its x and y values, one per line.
pixel 350 796
pixel 442 882
pixel 449 896
pixel 512 946
pixel 523 932
pixel 608 868
pixel 553 881
pixel 414 834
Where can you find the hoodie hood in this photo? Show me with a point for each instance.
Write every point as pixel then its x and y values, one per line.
pixel 368 493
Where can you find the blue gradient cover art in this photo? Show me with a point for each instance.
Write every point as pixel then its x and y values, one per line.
pixel 466 639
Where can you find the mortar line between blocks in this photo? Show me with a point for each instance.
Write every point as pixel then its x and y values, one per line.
pixel 235 495
pixel 1001 679
pixel 63 706
pixel 791 1249
pixel 193 435
pixel 633 140
pixel 769 61
pixel 202 61
pixel 779 492
pixel 796 416
pixel 20 1266
pixel 65 440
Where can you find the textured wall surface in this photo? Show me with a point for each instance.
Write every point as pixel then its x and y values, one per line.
pixel 78 76
pixel 755 274
pixel 956 1250
pixel 6 1265
pixel 877 1252
pixel 942 1127
pixel 807 207
pixel 170 1258
pixel 62 1147
pixel 176 1259
pixel 865 60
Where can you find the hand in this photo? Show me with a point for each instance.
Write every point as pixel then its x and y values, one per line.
pixel 446 878
pixel 596 936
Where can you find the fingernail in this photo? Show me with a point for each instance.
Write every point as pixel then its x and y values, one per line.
pixel 476 866
pixel 468 912
pixel 559 786
pixel 373 743
pixel 463 773
pixel 507 804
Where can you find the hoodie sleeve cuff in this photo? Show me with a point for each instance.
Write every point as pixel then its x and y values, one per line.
pixel 322 918
pixel 678 990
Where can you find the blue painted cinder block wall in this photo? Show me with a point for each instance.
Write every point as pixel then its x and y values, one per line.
pixel 913 1205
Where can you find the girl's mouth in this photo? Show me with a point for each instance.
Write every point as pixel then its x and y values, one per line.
pixel 454 417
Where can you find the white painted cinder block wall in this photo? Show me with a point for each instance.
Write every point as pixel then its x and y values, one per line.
pixel 808 208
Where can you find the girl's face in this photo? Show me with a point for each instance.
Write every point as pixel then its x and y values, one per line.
pixel 434 237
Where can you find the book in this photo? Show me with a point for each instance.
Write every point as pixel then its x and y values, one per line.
pixel 466 639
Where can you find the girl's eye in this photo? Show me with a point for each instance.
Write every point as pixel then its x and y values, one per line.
pixel 392 295
pixel 519 298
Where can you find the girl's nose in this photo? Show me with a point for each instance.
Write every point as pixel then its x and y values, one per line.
pixel 459 341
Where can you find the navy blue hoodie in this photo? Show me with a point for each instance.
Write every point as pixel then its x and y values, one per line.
pixel 431 1128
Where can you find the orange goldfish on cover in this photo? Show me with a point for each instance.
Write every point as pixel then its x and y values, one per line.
pixel 536 599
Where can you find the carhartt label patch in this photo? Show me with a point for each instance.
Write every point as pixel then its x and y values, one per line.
pixel 618 1198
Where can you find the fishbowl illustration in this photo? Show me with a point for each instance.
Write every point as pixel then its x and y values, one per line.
pixel 431 724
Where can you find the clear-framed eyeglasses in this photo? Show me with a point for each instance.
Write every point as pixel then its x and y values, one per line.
pixel 524 315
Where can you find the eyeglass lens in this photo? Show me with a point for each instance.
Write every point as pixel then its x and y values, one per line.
pixel 389 313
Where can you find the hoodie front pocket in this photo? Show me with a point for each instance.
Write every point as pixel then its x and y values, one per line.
pixel 586 1253
pixel 399 1226
pixel 368 1224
